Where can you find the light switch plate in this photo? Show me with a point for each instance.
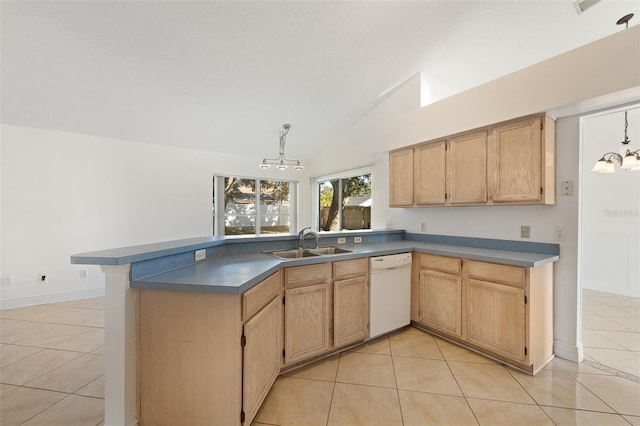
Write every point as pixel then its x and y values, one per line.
pixel 525 231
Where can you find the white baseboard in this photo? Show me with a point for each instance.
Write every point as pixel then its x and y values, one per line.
pixel 569 352
pixel 50 298
pixel 622 291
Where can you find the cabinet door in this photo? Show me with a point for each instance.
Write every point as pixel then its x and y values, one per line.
pixel 401 178
pixel 261 357
pixel 307 320
pixel 516 163
pixel 350 310
pixel 440 301
pixel 467 169
pixel 430 174
pixel 496 318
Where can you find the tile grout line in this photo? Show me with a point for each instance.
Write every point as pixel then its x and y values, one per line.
pixel 395 379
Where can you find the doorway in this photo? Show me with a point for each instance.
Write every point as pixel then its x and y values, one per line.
pixel 610 245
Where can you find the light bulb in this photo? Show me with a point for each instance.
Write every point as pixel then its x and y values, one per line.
pixel 298 166
pixel 629 161
pixel 264 164
pixel 610 167
pixel 600 166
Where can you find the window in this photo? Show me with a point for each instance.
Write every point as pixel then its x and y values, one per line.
pixel 344 201
pixel 252 206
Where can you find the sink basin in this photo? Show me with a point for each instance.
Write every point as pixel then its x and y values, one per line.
pixel 291 254
pixel 321 251
pixel 299 253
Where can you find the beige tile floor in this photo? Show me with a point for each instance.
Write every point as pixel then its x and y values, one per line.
pixel 611 330
pixel 413 378
pixel 52 364
pixel 51 373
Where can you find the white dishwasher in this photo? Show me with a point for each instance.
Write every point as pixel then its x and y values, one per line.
pixel 389 293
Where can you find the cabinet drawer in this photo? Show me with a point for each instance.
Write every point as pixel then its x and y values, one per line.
pixel 307 275
pixel 505 274
pixel 440 263
pixel 254 299
pixel 350 268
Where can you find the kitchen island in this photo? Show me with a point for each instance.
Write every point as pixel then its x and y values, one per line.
pixel 154 305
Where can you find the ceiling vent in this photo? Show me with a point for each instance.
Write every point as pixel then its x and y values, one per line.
pixel 583 5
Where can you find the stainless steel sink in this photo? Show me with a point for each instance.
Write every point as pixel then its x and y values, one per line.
pixel 321 251
pixel 299 253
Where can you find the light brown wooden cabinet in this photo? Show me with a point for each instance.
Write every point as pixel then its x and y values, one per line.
pixel 440 301
pixel 440 293
pixel 307 324
pixel 401 178
pixel 507 163
pixel 262 357
pixel 326 307
pixel 467 169
pixel 452 171
pixel 208 358
pixel 430 174
pixel 503 311
pixel 350 310
pixel 495 318
pixel 522 161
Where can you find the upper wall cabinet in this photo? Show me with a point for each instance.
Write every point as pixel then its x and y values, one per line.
pixel 506 163
pixel 401 178
pixel 522 161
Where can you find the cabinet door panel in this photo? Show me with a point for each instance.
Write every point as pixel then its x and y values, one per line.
pixel 307 321
pixel 516 161
pixel 467 169
pixel 440 301
pixel 401 178
pixel 350 310
pixel 261 357
pixel 496 318
pixel 430 174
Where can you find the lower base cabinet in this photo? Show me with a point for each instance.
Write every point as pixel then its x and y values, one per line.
pixel 261 356
pixel 440 301
pixel 496 318
pixel 307 320
pixel 503 311
pixel 350 311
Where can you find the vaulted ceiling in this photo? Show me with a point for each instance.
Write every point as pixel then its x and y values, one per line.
pixel 225 76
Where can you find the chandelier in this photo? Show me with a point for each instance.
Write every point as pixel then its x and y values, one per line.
pixel 627 159
pixel 281 162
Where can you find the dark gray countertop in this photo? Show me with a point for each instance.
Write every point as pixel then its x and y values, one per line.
pixel 236 273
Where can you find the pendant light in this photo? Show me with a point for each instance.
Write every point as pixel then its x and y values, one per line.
pixel 627 159
pixel 281 162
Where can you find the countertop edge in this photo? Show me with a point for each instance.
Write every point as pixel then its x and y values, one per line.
pixel 166 281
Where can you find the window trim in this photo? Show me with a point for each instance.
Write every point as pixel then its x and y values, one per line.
pixel 218 191
pixel 315 193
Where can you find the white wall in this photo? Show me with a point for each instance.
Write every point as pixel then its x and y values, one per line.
pixel 607 66
pixel 65 193
pixel 610 208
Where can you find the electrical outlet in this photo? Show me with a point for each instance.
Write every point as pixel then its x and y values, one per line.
pixel 566 187
pixel 357 240
pixel 423 227
pixel 525 231
pixel 558 233
pixel 342 240
pixel 389 224
pixel 42 278
pixel 84 273
pixel 6 281
pixel 200 254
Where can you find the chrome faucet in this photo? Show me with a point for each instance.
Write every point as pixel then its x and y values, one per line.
pixel 302 234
